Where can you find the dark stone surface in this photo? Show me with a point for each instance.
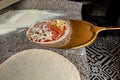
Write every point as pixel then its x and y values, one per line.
pixel 17 41
pixel 14 42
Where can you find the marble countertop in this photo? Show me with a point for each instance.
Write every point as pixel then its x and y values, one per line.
pixel 17 41
pixel 14 42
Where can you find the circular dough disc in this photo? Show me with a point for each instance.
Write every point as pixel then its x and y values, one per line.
pixel 38 64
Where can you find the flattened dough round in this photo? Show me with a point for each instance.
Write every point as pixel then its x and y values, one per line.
pixel 38 64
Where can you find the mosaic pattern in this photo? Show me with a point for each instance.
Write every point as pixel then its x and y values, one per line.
pixel 104 58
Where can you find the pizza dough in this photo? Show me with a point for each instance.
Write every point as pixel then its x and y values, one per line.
pixel 38 64
pixel 52 33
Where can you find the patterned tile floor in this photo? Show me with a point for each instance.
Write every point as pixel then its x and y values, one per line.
pixel 104 58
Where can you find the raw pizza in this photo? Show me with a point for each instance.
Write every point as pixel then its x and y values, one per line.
pixel 49 32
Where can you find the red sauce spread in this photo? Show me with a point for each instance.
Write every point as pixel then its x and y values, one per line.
pixel 58 28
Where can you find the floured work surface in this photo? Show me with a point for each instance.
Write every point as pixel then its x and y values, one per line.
pixel 16 41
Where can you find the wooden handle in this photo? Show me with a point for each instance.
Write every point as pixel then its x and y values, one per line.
pixel 113 28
